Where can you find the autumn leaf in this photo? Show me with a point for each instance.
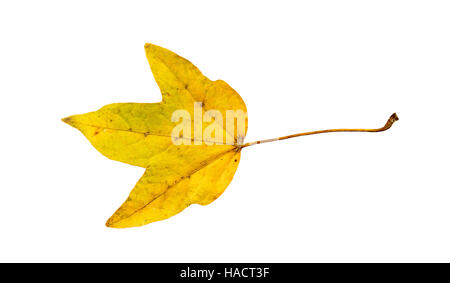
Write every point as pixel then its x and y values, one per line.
pixel 181 169
pixel 176 176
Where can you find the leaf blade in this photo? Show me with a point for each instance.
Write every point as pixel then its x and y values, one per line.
pixel 158 197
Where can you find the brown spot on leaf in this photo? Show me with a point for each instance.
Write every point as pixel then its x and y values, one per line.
pixel 67 120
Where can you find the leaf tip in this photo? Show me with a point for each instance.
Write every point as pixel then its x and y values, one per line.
pixel 110 223
pixel 68 120
pixel 148 46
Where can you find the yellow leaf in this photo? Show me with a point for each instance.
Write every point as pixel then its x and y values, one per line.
pixel 187 162
pixel 140 134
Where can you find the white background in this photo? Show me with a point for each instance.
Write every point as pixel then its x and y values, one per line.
pixel 299 66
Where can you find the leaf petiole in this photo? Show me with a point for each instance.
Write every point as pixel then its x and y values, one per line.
pixel 388 124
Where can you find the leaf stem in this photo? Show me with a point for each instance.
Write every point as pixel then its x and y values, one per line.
pixel 388 124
